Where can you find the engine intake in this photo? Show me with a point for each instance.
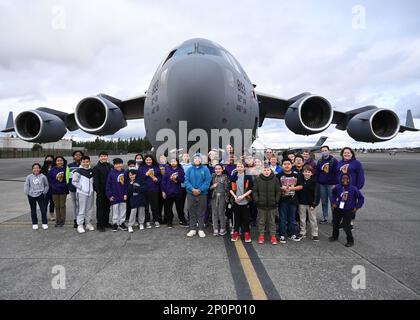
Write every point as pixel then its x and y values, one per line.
pixel 374 126
pixel 39 127
pixel 309 115
pixel 100 116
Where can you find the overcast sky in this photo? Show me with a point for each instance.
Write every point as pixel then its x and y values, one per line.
pixel 54 53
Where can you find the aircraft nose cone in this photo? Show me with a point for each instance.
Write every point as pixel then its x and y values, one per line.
pixel 197 92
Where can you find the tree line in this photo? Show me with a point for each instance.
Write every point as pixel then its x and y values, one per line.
pixel 131 145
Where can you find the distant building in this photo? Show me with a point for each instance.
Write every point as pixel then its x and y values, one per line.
pixel 7 143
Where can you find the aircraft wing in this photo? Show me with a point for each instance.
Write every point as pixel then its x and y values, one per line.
pixel 271 107
pixel 308 114
pixel 100 115
pixel 275 107
pixel 132 108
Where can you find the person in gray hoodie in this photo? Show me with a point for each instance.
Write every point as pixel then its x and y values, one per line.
pixel 83 182
pixel 36 187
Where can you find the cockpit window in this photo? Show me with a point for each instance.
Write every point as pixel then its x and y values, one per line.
pixel 170 55
pixel 183 51
pixel 180 52
pixel 202 49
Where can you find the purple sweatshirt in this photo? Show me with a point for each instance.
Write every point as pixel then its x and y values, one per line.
pixel 116 186
pixel 172 189
pixel 350 195
pixel 57 181
pixel 151 186
pixel 327 171
pixel 354 169
pixel 229 168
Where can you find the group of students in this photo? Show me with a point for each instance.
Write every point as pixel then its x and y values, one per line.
pixel 231 195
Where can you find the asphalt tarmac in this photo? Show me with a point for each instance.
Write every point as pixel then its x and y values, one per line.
pixel 163 264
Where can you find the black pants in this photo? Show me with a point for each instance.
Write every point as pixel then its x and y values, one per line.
pixel 254 212
pixel 241 216
pixel 179 204
pixel 127 211
pixel 152 199
pixel 103 208
pixel 345 216
pixel 162 205
pixel 41 203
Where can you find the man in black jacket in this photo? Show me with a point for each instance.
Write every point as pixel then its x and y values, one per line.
pixel 103 205
pixel 309 198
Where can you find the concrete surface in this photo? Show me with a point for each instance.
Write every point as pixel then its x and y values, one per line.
pixel 164 264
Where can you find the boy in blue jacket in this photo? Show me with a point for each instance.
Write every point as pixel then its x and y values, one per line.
pixel 197 183
pixel 347 199
pixel 117 192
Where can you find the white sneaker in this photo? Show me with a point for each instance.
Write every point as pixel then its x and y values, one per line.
pixel 45 226
pixel 157 224
pixel 34 227
pixel 215 233
pixel 148 225
pixel 90 227
pixel 192 233
pixel 201 234
pixel 80 229
pixel 141 227
pixel 130 229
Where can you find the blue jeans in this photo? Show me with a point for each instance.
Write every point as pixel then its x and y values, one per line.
pixel 287 218
pixel 325 192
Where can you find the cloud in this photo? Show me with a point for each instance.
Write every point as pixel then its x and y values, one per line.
pixel 55 53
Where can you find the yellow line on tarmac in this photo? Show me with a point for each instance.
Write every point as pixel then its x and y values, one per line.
pixel 257 290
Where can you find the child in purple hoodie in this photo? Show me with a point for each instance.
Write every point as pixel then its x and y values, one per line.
pixel 117 193
pixel 347 199
pixel 58 181
pixel 351 166
pixel 150 172
pixel 172 192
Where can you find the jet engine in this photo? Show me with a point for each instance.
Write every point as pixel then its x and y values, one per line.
pixel 375 125
pixel 39 127
pixel 310 114
pixel 97 115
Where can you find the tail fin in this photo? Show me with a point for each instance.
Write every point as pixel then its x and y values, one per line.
pixel 409 123
pixel 10 126
pixel 321 141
